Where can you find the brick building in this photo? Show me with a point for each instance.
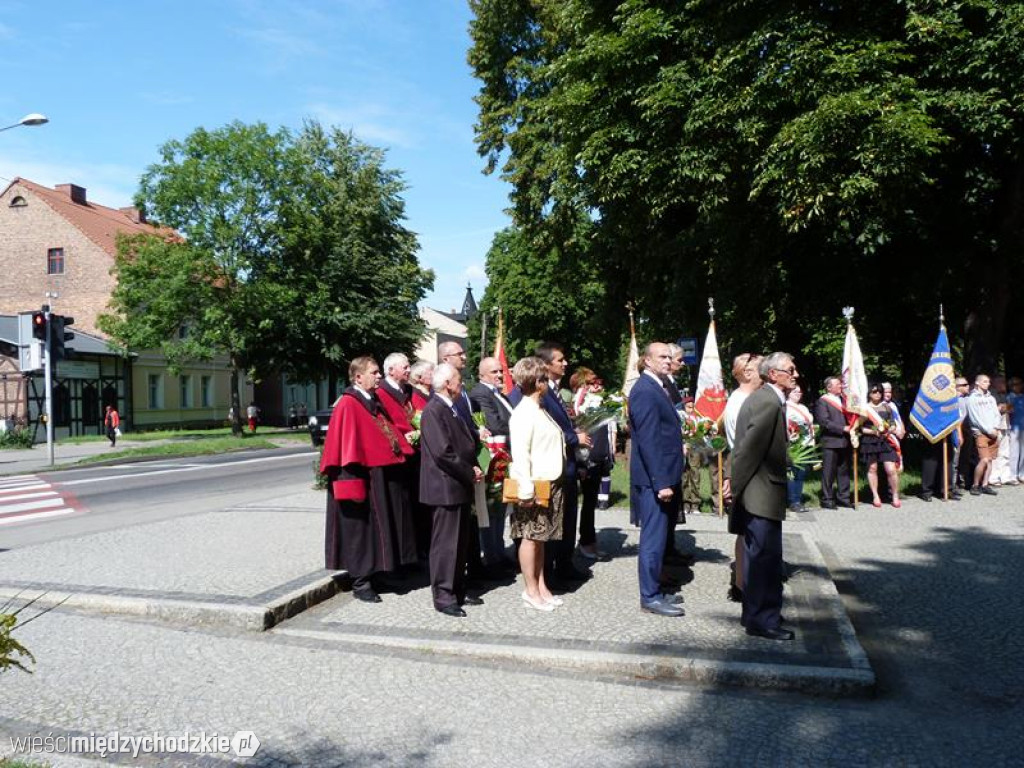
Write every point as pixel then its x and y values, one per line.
pixel 56 241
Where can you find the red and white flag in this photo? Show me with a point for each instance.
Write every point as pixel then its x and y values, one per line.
pixel 499 355
pixel 855 380
pixel 711 397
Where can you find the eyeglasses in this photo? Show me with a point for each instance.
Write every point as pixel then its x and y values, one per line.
pixel 790 371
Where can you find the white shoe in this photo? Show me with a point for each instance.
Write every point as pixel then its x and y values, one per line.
pixel 555 601
pixel 539 605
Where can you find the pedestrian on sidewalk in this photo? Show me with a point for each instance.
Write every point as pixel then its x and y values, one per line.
pixel 112 421
pixel 253 414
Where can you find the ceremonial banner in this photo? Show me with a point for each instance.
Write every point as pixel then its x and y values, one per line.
pixel 711 397
pixel 632 361
pixel 936 411
pixel 855 380
pixel 499 355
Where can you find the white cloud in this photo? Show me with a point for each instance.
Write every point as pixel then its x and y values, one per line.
pixel 474 272
pixel 372 123
pixel 281 45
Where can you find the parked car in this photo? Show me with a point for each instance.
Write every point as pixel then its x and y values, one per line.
pixel 318 426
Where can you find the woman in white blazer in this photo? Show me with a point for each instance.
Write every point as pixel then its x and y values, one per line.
pixel 537 446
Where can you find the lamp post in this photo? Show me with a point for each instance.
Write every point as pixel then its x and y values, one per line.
pixel 33 119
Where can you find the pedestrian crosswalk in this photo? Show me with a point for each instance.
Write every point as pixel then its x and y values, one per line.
pixel 28 498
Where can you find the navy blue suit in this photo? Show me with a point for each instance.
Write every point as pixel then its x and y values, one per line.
pixel 656 463
pixel 559 554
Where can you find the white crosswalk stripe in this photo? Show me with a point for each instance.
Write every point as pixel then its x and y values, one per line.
pixel 29 498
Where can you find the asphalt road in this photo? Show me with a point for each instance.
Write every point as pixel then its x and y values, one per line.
pixel 103 498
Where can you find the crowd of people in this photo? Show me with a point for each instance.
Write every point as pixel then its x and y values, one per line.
pixel 406 487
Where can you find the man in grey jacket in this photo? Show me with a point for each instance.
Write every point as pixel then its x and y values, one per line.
pixel 759 489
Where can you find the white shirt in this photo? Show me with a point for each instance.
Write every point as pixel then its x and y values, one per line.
pixel 732 413
pixel 362 392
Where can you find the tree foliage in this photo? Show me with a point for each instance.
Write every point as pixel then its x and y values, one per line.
pixel 292 256
pixel 787 158
pixel 549 292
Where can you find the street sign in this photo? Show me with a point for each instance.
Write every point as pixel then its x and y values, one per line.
pixel 689 347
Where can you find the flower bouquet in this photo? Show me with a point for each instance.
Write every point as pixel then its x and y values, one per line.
pixel 701 435
pixel 802 450
pixel 414 436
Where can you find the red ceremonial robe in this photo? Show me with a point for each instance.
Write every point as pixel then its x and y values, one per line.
pixel 369 525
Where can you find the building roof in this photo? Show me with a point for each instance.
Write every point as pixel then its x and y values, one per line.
pixel 97 222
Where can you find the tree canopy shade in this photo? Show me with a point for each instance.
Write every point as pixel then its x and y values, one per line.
pixel 293 257
pixel 786 157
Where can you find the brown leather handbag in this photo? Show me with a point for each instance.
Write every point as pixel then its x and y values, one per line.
pixel 541 492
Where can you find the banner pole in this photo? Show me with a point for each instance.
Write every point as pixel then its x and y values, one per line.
pixel 856 495
pixel 945 470
pixel 721 483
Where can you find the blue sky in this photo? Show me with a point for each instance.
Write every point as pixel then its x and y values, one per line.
pixel 118 79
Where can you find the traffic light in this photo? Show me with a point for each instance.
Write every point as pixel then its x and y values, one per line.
pixel 60 336
pixel 39 326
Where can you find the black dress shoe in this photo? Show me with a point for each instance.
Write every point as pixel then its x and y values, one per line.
pixel 735 594
pixel 771 634
pixel 470 600
pixel 662 608
pixel 366 595
pixel 925 497
pixel 846 504
pixel 828 505
pixel 452 610
pixel 989 490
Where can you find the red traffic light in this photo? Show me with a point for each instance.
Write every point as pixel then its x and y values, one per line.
pixel 39 325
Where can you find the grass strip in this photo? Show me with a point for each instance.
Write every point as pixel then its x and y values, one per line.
pixel 205 447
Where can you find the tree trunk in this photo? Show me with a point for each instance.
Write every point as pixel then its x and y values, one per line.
pixel 236 403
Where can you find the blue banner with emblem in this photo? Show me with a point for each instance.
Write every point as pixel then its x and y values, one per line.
pixel 936 411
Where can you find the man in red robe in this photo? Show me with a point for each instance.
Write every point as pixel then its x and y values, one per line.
pixel 395 395
pixel 369 527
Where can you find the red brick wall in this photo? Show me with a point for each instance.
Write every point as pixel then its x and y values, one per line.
pixel 26 233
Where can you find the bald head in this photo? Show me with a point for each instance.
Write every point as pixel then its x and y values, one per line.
pixel 451 352
pixel 490 371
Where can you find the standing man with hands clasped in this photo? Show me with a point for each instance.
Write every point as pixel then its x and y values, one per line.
pixel 655 474
pixel 759 492
pixel 448 473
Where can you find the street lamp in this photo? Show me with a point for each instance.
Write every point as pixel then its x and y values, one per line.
pixel 33 119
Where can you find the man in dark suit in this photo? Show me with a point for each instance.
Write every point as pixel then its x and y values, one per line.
pixel 758 486
pixel 451 352
pixel 448 473
pixel 560 567
pixel 487 398
pixel 655 474
pixel 830 415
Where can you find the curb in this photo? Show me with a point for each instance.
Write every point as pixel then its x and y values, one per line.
pixel 818 681
pixel 248 614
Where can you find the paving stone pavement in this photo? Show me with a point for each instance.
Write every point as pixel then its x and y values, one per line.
pixel 930 588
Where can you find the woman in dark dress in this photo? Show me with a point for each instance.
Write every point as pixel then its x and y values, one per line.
pixel 878 445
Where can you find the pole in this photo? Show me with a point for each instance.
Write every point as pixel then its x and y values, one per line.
pixel 721 491
pixel 856 495
pixel 48 368
pixel 945 469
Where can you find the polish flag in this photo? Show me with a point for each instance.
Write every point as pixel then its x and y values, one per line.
pixel 711 397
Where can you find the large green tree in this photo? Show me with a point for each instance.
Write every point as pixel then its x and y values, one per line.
pixel 786 157
pixel 289 255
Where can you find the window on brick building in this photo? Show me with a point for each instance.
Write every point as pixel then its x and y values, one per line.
pixel 18 202
pixel 156 391
pixel 55 261
pixel 185 385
